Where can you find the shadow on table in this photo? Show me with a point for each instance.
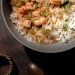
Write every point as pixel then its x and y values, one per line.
pixel 54 64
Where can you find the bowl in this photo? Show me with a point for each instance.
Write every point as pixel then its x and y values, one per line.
pixel 51 48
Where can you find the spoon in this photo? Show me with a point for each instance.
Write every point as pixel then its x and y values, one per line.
pixel 34 69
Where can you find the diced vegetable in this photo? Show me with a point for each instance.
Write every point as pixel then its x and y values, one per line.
pixel 35 5
pixel 66 20
pixel 29 17
pixel 44 13
pixel 32 32
pixel 19 3
pixel 68 5
pixel 46 32
pixel 27 30
pixel 65 27
pixel 24 1
pixel 67 0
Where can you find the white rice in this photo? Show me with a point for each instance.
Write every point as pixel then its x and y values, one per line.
pixel 61 36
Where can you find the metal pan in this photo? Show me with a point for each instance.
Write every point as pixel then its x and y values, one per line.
pixel 52 48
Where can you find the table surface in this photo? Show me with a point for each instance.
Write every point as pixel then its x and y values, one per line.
pixel 13 48
pixel 22 55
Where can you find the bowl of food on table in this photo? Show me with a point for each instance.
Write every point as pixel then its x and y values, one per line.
pixel 42 25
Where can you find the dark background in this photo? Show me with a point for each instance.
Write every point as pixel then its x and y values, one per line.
pixel 53 64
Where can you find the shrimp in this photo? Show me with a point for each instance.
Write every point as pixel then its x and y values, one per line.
pixel 73 1
pixel 29 5
pixel 23 9
pixel 33 0
pixel 13 2
pixel 36 12
pixel 59 24
pixel 26 23
pixel 40 21
pixel 57 2
pixel 40 1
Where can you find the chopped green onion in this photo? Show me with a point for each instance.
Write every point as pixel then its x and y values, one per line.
pixel 24 1
pixel 35 2
pixel 68 5
pixel 67 0
pixel 65 27
pixel 46 33
pixel 35 5
pixel 19 3
pixel 32 32
pixel 28 17
pixel 66 20
pixel 27 30
pixel 44 13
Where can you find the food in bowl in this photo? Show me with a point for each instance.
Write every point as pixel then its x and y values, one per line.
pixel 44 21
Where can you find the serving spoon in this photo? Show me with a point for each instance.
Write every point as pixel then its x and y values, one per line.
pixel 34 69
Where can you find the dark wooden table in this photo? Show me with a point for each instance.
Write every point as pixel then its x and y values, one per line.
pixel 13 48
pixel 52 64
